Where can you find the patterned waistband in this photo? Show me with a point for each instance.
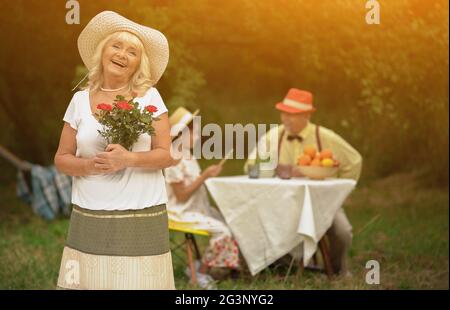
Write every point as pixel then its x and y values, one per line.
pixel 149 211
pixel 141 232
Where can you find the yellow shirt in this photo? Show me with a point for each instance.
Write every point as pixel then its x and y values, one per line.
pixel 349 158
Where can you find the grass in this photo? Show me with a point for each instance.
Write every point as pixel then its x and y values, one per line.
pixel 396 221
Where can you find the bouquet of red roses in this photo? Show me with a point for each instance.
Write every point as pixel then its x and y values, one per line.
pixel 123 121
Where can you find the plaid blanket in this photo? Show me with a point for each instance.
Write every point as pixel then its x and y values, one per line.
pixel 50 193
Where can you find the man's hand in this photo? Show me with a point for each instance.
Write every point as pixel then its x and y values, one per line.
pixel 296 172
pixel 284 171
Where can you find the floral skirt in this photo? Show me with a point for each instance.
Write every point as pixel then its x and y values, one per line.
pixel 117 250
pixel 223 251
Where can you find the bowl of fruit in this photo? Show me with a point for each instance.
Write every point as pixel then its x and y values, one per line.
pixel 317 165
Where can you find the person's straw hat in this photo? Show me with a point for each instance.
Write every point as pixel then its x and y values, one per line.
pixel 106 23
pixel 181 118
pixel 296 101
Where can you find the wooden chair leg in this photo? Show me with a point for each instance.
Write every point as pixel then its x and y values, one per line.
pixel 197 251
pixel 301 268
pixel 191 260
pixel 326 257
pixel 315 261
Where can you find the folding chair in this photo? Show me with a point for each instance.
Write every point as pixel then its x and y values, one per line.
pixel 190 242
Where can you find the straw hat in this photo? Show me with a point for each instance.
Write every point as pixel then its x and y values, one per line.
pixel 297 101
pixel 106 23
pixel 181 118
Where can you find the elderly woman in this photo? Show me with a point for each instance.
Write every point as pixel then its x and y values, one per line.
pixel 118 236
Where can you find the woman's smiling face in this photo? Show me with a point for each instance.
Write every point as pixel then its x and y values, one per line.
pixel 120 58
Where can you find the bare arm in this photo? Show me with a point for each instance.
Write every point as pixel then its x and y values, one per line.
pixel 184 192
pixel 65 159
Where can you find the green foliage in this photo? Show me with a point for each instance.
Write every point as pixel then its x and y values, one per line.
pixel 123 121
pixel 384 88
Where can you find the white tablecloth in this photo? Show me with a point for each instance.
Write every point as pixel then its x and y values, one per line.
pixel 269 217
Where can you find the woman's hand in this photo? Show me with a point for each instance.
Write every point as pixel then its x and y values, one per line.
pixel 114 159
pixel 90 167
pixel 212 171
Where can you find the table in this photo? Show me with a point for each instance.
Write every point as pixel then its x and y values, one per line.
pixel 269 217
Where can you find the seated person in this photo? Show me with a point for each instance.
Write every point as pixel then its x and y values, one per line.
pixel 296 133
pixel 188 203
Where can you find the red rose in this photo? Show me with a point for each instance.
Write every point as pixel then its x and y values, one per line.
pixel 124 105
pixel 104 107
pixel 151 108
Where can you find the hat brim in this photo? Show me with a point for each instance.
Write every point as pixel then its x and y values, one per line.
pixel 288 109
pixel 186 123
pixel 192 117
pixel 107 22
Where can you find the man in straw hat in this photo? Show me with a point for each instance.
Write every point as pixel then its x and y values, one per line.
pixel 118 236
pixel 189 204
pixel 296 134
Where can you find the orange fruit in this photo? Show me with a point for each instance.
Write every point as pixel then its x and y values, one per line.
pixel 327 162
pixel 310 150
pixel 316 163
pixel 326 154
pixel 304 160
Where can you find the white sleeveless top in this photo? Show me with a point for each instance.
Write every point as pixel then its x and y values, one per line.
pixel 130 188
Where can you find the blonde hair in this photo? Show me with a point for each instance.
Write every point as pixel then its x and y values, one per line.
pixel 139 82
